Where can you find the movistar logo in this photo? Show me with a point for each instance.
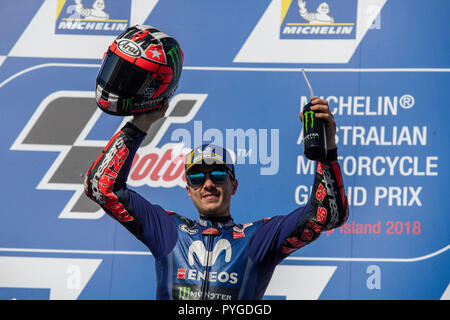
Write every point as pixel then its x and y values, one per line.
pixel 307 115
pixel 209 258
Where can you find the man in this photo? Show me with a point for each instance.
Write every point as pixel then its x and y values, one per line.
pixel 213 257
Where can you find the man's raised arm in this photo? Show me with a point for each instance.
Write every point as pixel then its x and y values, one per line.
pixel 106 184
pixel 326 209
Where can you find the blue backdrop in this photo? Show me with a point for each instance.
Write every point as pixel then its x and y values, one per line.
pixel 383 65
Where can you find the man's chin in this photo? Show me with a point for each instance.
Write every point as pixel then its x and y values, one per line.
pixel 211 209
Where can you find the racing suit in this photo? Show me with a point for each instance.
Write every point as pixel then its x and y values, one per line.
pixel 212 259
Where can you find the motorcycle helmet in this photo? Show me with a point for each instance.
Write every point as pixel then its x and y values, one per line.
pixel 141 68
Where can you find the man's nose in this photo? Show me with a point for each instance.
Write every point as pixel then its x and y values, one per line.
pixel 208 182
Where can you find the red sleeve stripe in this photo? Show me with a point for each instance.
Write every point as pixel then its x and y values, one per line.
pixel 101 154
pixel 337 173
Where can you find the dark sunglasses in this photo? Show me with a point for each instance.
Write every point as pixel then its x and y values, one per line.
pixel 198 178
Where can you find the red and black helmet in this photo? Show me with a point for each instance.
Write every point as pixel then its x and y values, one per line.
pixel 141 68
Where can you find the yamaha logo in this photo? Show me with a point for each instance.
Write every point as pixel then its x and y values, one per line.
pixel 129 48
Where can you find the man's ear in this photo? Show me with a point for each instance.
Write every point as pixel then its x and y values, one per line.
pixel 235 184
pixel 188 191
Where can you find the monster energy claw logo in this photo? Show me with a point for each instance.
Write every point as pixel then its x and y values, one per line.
pixel 175 55
pixel 127 104
pixel 308 114
pixel 183 293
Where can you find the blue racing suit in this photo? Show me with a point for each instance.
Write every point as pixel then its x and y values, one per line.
pixel 212 259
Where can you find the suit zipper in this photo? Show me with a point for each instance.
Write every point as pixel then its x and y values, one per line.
pixel 205 282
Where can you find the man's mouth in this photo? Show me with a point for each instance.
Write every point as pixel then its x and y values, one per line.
pixel 210 196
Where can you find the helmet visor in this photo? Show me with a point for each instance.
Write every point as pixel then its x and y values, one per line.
pixel 124 79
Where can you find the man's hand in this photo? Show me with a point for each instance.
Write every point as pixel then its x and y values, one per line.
pixel 323 112
pixel 144 121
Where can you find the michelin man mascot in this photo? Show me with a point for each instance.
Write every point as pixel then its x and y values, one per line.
pixel 319 17
pixel 94 13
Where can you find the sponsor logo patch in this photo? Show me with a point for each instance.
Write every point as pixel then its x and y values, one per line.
pixel 318 19
pixel 237 235
pixel 181 273
pixel 92 17
pixel 129 48
pixel 295 31
pixel 185 228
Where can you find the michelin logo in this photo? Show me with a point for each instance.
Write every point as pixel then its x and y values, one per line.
pixel 311 31
pixel 98 17
pixel 298 22
pixel 72 29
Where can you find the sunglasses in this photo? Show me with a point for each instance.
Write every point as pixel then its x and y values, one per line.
pixel 198 178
